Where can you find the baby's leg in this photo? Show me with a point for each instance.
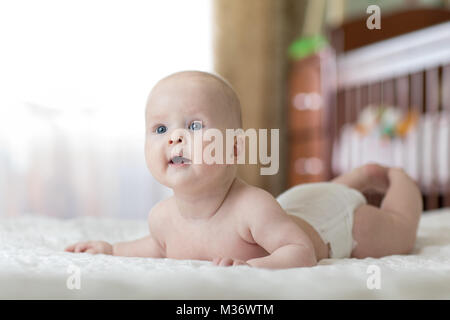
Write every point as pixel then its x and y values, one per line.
pixel 390 229
pixel 368 177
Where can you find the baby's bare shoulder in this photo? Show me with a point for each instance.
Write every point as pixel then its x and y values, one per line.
pixel 158 215
pixel 259 213
pixel 257 201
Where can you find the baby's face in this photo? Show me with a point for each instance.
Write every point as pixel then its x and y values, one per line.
pixel 190 103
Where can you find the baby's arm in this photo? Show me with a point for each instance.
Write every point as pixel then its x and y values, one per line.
pixel 145 247
pixel 148 246
pixel 272 229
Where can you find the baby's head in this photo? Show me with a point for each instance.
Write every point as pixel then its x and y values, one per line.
pixel 177 106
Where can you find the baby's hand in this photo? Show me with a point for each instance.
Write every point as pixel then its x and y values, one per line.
pixel 93 247
pixel 229 262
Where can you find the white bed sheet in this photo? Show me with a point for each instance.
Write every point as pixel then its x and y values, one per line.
pixel 33 265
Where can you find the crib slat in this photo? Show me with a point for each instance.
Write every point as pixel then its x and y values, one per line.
pixel 387 92
pixel 348 119
pixel 432 106
pixel 445 90
pixel 402 101
pixel 402 93
pixel 416 99
pixel 387 99
pixel 374 97
pixel 375 93
pixel 364 96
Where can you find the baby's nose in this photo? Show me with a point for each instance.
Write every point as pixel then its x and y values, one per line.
pixel 178 136
pixel 176 140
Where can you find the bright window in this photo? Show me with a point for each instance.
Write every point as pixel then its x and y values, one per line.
pixel 80 71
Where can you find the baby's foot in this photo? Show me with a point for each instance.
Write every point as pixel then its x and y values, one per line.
pixel 376 177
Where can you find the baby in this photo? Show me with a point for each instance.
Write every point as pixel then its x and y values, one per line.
pixel 213 215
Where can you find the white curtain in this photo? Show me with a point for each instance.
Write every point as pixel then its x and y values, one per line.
pixel 74 77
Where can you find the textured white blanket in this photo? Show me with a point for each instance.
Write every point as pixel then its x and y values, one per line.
pixel 33 265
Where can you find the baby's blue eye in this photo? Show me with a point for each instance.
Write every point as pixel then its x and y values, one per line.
pixel 161 129
pixel 196 125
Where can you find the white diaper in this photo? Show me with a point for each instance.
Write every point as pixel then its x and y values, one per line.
pixel 328 207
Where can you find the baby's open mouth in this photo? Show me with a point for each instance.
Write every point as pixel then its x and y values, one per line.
pixel 179 160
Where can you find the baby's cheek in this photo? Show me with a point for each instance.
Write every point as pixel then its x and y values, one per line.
pixel 154 157
pixel 213 152
pixel 149 155
pixel 193 149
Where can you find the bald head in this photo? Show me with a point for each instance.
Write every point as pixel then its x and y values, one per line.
pixel 218 87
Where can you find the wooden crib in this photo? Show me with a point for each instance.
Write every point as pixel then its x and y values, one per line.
pixel 411 72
